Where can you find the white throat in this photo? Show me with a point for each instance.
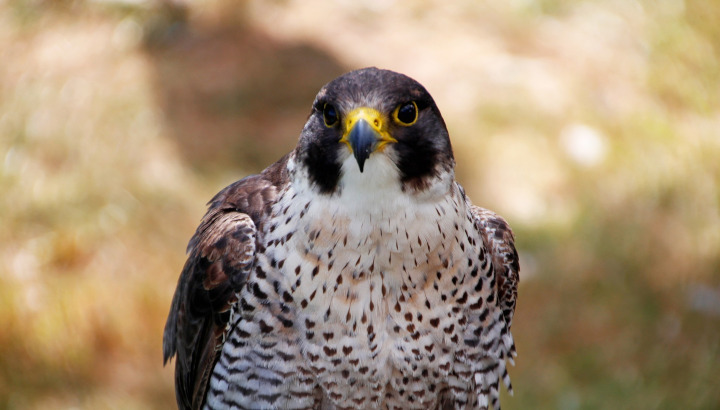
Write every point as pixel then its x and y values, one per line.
pixel 378 188
pixel 373 206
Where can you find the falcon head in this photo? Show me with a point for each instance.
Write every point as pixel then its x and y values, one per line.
pixel 371 118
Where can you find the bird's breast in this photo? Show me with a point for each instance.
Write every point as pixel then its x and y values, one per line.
pixel 371 293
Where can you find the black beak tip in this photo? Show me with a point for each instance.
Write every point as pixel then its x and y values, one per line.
pixel 363 139
pixel 361 163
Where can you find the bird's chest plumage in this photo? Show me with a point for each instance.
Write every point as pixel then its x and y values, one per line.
pixel 376 298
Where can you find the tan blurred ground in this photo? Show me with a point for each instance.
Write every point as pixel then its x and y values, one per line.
pixel 593 126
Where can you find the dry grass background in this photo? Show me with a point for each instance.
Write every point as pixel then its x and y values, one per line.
pixel 593 126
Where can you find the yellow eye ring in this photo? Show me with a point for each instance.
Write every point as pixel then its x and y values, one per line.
pixel 330 115
pixel 406 114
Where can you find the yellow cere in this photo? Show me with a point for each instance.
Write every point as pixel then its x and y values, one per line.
pixel 376 121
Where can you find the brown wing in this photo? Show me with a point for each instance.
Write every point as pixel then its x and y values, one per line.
pixel 500 246
pixel 221 255
pixel 500 241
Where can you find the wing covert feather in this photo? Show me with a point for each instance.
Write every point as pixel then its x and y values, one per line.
pixel 218 265
pixel 500 242
pixel 221 255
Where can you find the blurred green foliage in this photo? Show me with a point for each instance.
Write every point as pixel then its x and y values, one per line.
pixel 593 126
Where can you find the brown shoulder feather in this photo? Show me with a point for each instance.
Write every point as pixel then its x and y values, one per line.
pixel 220 256
pixel 500 241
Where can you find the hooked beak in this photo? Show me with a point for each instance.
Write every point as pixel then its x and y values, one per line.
pixel 365 133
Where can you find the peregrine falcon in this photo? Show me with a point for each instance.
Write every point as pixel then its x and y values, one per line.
pixel 354 273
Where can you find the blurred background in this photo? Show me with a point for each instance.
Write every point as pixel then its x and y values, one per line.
pixel 593 126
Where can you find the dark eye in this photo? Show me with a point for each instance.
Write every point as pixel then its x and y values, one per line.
pixel 406 114
pixel 330 115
